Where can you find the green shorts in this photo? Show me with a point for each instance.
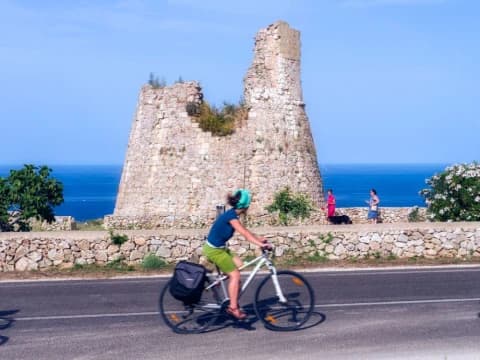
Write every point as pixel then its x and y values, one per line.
pixel 221 257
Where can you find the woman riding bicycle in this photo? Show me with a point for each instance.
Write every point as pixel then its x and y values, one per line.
pixel 215 246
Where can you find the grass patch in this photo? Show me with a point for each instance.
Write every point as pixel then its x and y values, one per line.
pixel 119 265
pixel 153 262
pixel 326 239
pixel 91 225
pixel 317 258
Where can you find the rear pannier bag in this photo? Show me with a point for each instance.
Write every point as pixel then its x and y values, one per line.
pixel 187 282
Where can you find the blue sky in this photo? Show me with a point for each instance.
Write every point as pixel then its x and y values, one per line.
pixel 385 81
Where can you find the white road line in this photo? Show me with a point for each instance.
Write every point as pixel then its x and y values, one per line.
pixel 404 302
pixel 86 316
pixel 152 313
pixel 359 272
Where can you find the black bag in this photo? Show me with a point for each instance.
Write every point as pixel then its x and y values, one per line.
pixel 188 282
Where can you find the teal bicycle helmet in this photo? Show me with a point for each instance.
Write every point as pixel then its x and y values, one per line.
pixel 245 199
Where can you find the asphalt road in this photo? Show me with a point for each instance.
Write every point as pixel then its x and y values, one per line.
pixel 375 314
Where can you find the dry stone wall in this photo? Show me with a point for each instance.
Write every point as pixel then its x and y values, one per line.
pixel 357 215
pixel 61 223
pixel 43 250
pixel 175 174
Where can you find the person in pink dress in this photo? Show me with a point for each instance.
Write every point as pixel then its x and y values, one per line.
pixel 330 203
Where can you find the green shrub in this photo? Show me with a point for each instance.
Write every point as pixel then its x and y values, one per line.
pixel 117 239
pixel 28 193
pixel 215 120
pixel 454 194
pixel 152 261
pixel 414 215
pixel 289 204
pixel 220 122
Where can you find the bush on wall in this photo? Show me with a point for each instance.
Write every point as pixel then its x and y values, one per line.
pixel 454 194
pixel 218 121
pixel 289 204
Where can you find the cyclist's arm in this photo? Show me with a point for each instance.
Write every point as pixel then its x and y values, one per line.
pixel 237 225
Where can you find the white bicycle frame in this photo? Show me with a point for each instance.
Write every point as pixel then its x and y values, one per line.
pixel 261 261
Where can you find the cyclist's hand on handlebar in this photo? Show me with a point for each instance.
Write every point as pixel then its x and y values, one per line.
pixel 267 246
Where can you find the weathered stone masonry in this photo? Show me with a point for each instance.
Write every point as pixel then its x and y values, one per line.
pixel 175 173
pixel 357 215
pixel 43 250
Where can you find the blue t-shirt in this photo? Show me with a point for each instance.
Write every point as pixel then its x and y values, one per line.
pixel 222 230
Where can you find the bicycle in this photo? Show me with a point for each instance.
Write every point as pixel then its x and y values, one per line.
pixel 283 301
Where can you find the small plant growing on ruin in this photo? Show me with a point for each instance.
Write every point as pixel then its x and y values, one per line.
pixel 218 121
pixel 152 261
pixel 117 239
pixel 215 121
pixel 288 204
pixel 154 82
pixel 454 194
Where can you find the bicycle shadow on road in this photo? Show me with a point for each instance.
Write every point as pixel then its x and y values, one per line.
pixel 226 321
pixel 5 323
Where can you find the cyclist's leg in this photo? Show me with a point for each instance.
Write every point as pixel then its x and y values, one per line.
pixel 227 263
pixel 237 261
pixel 233 291
pixel 234 287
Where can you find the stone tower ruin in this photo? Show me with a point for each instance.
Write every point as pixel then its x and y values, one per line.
pixel 175 173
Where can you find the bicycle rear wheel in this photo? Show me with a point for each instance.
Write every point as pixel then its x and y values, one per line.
pixel 190 318
pixel 289 315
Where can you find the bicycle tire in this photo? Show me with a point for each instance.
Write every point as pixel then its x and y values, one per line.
pixel 289 316
pixel 189 319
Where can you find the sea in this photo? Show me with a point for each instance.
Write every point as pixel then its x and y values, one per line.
pixel 90 190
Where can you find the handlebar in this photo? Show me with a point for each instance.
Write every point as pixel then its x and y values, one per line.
pixel 270 247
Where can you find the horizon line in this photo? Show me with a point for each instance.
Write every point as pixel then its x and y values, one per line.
pixel 324 163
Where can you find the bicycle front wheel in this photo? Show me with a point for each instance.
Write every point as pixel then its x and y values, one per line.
pixel 284 315
pixel 189 318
